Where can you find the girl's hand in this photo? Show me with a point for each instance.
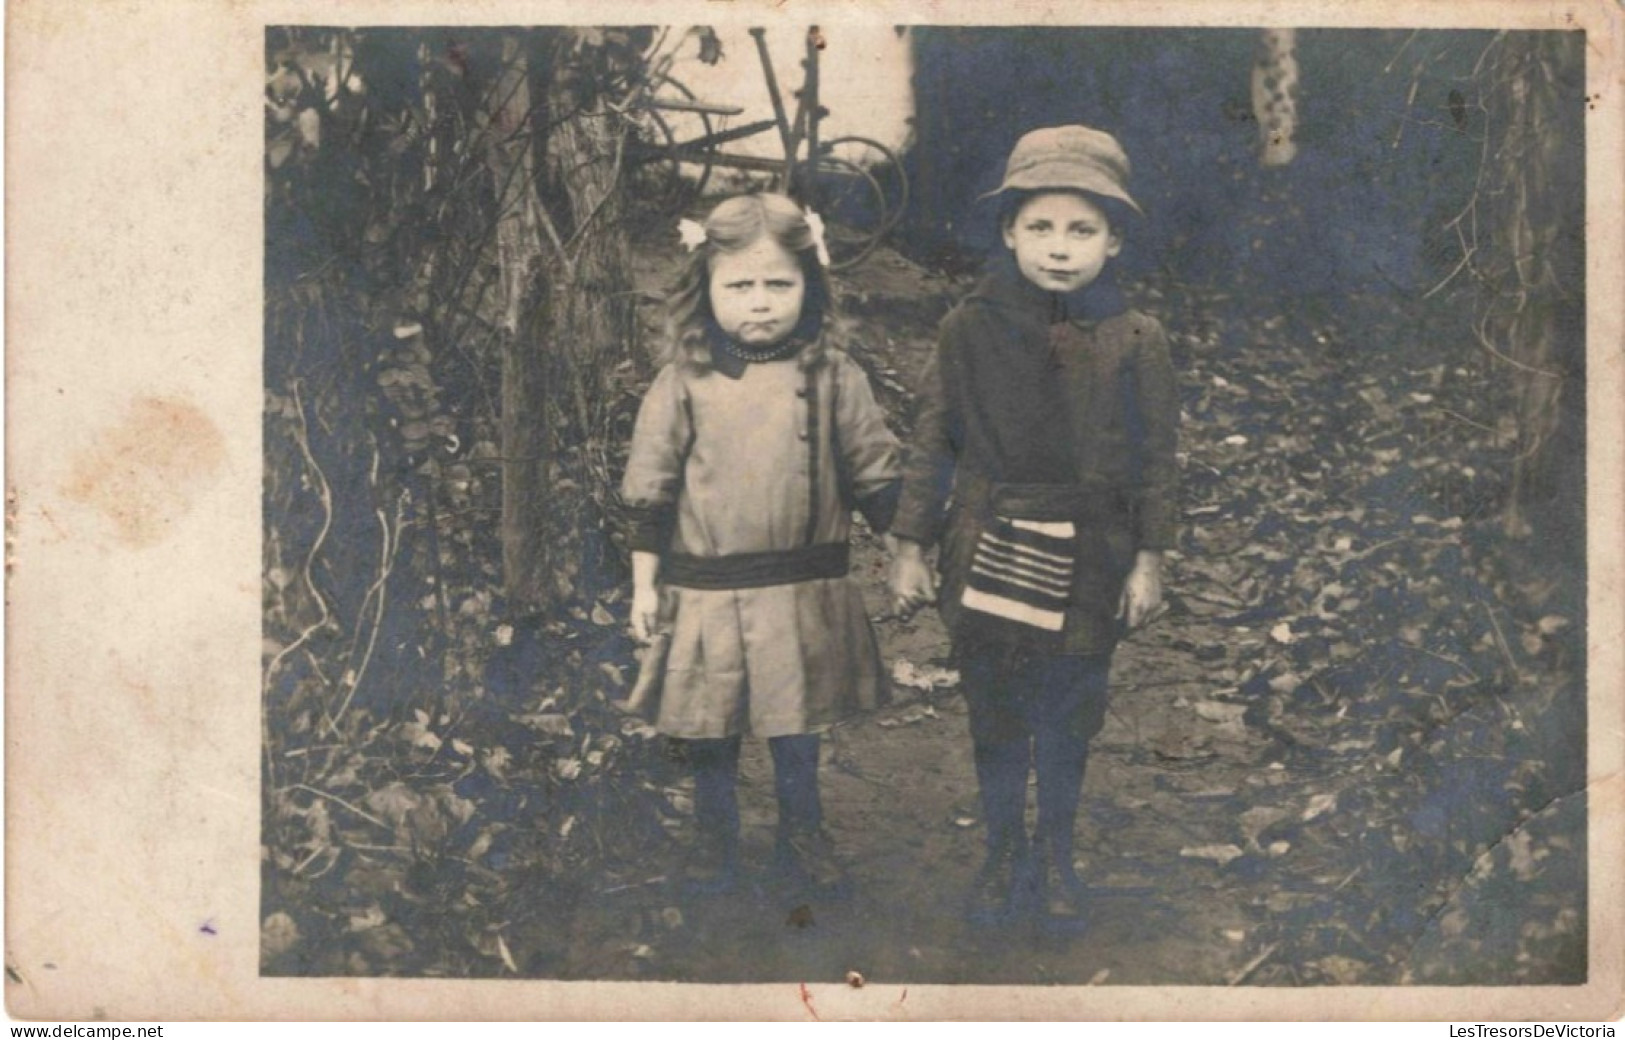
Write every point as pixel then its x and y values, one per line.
pixel 645 612
pixel 910 580
pixel 645 595
pixel 1142 592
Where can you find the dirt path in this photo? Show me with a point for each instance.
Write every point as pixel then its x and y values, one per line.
pixel 900 798
pixel 1306 770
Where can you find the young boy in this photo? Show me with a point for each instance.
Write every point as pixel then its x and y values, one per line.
pixel 1043 458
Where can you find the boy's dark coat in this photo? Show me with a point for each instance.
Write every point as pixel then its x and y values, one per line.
pixel 1005 397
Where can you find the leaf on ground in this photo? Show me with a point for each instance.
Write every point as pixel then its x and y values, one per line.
pixel 1283 634
pixel 1285 683
pixel 372 917
pixel 507 957
pixel 1523 864
pixel 553 724
pixel 1227 717
pixel 1320 805
pixel 496 762
pixel 1255 821
pixel 394 802
pixel 456 806
pixel 278 935
pixel 923 677
pixel 1345 971
pixel 1453 923
pixel 1552 624
pixel 419 735
pixel 1220 854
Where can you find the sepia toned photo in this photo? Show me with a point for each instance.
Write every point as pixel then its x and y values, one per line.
pixel 1233 379
pixel 847 508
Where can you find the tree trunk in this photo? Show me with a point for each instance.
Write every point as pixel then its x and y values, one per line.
pixel 519 250
pixel 569 307
pixel 1534 322
pixel 1275 96
pixel 592 322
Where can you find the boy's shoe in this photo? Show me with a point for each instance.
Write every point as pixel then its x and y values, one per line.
pixel 996 896
pixel 1060 893
pixel 806 859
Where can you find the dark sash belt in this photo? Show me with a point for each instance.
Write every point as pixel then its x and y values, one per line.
pixel 1082 502
pixel 756 570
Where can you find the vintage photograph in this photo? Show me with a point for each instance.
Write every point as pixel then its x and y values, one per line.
pixel 925 504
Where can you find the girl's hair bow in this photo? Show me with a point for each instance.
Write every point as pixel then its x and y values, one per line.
pixel 690 234
pixel 815 224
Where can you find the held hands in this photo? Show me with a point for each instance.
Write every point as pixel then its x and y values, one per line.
pixel 1141 601
pixel 911 582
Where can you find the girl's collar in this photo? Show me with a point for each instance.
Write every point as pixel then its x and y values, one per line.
pixel 1004 283
pixel 730 359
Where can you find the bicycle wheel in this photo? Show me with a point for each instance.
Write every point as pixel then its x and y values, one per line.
pixel 851 202
pixel 660 179
pixel 881 163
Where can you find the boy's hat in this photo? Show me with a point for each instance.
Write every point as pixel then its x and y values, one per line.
pixel 1074 157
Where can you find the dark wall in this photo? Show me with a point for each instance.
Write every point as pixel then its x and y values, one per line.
pixel 1361 208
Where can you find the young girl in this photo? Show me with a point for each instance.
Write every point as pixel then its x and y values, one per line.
pixel 752 447
pixel 1050 414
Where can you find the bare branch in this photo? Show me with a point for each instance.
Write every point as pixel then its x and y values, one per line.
pixel 325 492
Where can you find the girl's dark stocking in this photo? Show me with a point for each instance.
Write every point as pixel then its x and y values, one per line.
pixel 795 780
pixel 716 791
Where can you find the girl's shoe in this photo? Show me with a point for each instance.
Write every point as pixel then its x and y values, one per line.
pixel 806 860
pixel 996 896
pixel 711 866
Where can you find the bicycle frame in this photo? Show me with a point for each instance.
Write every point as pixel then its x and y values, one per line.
pixel 803 128
pixel 809 169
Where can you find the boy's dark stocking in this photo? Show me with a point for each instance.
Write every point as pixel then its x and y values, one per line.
pixel 1001 774
pixel 716 812
pixel 1067 708
pixel 1002 748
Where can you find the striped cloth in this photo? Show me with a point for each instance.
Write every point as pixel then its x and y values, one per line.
pixel 1022 571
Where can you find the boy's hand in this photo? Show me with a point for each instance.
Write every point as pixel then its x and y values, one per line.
pixel 645 612
pixel 910 580
pixel 1142 592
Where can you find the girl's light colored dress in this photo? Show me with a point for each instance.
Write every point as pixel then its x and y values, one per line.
pixel 769 458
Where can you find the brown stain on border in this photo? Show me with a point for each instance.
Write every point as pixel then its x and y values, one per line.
pixel 145 473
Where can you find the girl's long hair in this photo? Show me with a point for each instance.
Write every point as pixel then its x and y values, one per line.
pixel 736 224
